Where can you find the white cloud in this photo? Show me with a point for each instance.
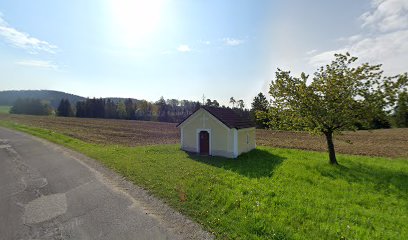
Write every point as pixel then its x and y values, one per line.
pixel 384 38
pixel 233 41
pixel 350 39
pixel 324 57
pixel 24 40
pixel 310 52
pixel 388 15
pixel 38 64
pixel 184 48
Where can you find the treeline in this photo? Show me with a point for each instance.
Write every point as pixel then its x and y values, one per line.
pixel 400 115
pixel 31 107
pixel 51 97
pixel 171 110
pixel 397 117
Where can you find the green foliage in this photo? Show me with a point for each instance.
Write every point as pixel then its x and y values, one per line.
pixel 91 108
pixel 7 98
pixel 163 113
pixel 64 109
pixel 110 109
pixel 213 103
pixel 260 103
pixel 241 104
pixel 31 107
pixel 233 101
pixel 401 110
pixel 259 109
pixel 267 193
pixel 130 109
pixel 5 109
pixel 171 110
pixel 338 97
pixel 381 121
pixel 121 109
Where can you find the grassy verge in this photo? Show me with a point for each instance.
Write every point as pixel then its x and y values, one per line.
pixel 5 109
pixel 267 193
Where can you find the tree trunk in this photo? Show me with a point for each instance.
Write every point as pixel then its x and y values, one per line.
pixel 330 146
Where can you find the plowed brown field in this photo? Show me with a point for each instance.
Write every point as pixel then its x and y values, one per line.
pixel 104 131
pixel 383 142
pixel 386 142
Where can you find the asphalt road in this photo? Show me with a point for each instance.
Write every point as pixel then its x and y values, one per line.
pixel 49 192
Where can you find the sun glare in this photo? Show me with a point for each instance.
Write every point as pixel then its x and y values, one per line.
pixel 135 21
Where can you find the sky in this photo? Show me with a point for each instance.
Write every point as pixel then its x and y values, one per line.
pixel 185 49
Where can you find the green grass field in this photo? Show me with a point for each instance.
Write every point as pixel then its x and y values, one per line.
pixel 267 193
pixel 5 109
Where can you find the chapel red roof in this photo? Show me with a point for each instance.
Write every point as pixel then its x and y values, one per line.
pixel 228 117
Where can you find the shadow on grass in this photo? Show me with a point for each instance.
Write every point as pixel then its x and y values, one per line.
pixel 385 180
pixel 254 164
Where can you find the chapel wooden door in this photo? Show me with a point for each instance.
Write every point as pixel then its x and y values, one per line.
pixel 204 143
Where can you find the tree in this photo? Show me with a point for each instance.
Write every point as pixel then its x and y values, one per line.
pixel 144 110
pixel 99 105
pixel 170 110
pixel 163 115
pixel 110 109
pixel 401 110
pixel 240 104
pixel 174 109
pixel 121 110
pixel 31 107
pixel 260 103
pixel 339 95
pixel 130 109
pixel 232 100
pixel 80 109
pixel 381 121
pixel 259 110
pixel 64 109
pixel 213 103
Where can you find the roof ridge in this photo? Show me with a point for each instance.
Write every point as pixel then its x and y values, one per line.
pixel 227 116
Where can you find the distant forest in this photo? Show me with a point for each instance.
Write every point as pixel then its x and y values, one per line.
pixel 49 97
pixel 44 102
pixel 171 110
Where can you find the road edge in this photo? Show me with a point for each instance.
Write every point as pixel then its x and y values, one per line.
pixel 171 219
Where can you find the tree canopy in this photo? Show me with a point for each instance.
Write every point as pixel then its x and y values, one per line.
pixel 259 109
pixel 64 109
pixel 233 101
pixel 338 96
pixel 31 107
pixel 401 110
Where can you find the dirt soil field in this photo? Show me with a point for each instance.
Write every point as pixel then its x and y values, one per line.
pixel 386 142
pixel 383 142
pixel 104 131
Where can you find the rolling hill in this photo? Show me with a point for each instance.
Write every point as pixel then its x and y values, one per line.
pixel 7 98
